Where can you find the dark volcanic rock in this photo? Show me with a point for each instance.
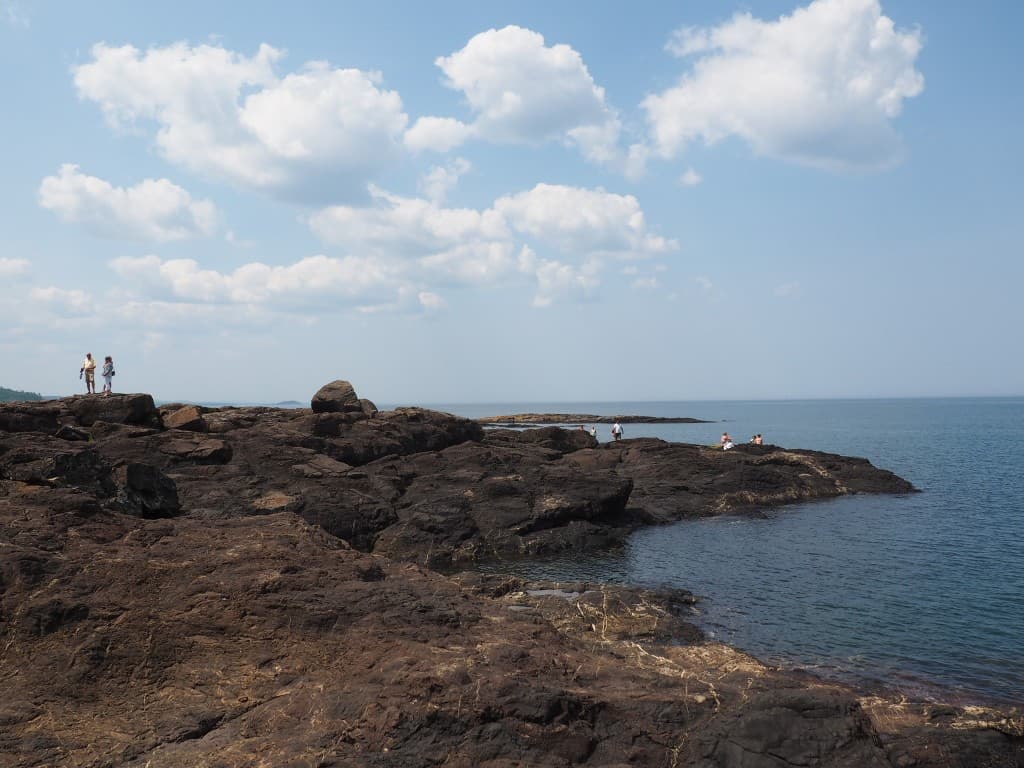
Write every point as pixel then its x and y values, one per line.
pixel 674 480
pixel 118 409
pixel 47 416
pixel 188 417
pixel 233 633
pixel 335 397
pixel 145 491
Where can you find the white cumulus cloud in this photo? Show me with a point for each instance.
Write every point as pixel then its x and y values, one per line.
pixel 557 235
pixel 154 209
pixel 13 267
pixel 320 280
pixel 522 91
pixel 64 302
pixel 439 134
pixel 319 133
pixel 820 86
pixel 585 221
pixel 442 179
pixel 690 178
pixel 405 225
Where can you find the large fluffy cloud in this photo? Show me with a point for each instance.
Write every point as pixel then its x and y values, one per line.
pixel 319 280
pixel 820 86
pixel 522 91
pixel 318 133
pixel 574 221
pixel 405 226
pixel 583 221
pixel 572 229
pixel 154 209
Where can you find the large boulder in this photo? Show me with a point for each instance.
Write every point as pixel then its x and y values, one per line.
pixel 336 397
pixel 117 409
pixel 188 418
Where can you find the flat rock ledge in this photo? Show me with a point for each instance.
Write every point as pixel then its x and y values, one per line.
pixel 246 586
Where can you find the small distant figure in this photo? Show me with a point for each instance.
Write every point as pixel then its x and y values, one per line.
pixel 616 431
pixel 727 442
pixel 108 374
pixel 583 427
pixel 593 432
pixel 752 440
pixel 758 440
pixel 88 370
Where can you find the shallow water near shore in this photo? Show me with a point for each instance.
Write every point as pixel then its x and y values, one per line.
pixel 923 593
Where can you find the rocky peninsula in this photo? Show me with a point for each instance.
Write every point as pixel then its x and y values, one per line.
pixel 188 586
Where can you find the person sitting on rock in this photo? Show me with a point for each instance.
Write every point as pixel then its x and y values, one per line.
pixel 758 440
pixel 727 442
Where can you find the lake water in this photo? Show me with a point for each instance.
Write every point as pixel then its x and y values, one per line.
pixel 923 593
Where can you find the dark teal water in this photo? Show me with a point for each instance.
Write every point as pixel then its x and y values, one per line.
pixel 924 592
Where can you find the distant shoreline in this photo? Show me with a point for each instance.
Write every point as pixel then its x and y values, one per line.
pixel 519 419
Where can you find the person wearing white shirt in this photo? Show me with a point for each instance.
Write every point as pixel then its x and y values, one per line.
pixel 88 370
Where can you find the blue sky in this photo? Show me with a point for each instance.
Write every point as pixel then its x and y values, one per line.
pixel 542 202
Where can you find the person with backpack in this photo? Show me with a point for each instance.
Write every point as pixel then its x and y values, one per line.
pixel 108 374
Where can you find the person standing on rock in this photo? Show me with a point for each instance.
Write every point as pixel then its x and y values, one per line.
pixel 617 431
pixel 88 369
pixel 593 432
pixel 108 374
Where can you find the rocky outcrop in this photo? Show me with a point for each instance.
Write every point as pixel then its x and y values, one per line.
pixel 48 416
pixel 418 484
pixel 253 594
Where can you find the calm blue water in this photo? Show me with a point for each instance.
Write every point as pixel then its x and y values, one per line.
pixel 924 592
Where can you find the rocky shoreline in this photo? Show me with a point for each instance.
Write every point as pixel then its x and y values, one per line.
pixel 260 586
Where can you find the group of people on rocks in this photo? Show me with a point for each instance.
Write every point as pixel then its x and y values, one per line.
pixel 616 430
pixel 88 372
pixel 727 442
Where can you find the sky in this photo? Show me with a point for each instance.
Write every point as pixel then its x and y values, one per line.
pixel 513 202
